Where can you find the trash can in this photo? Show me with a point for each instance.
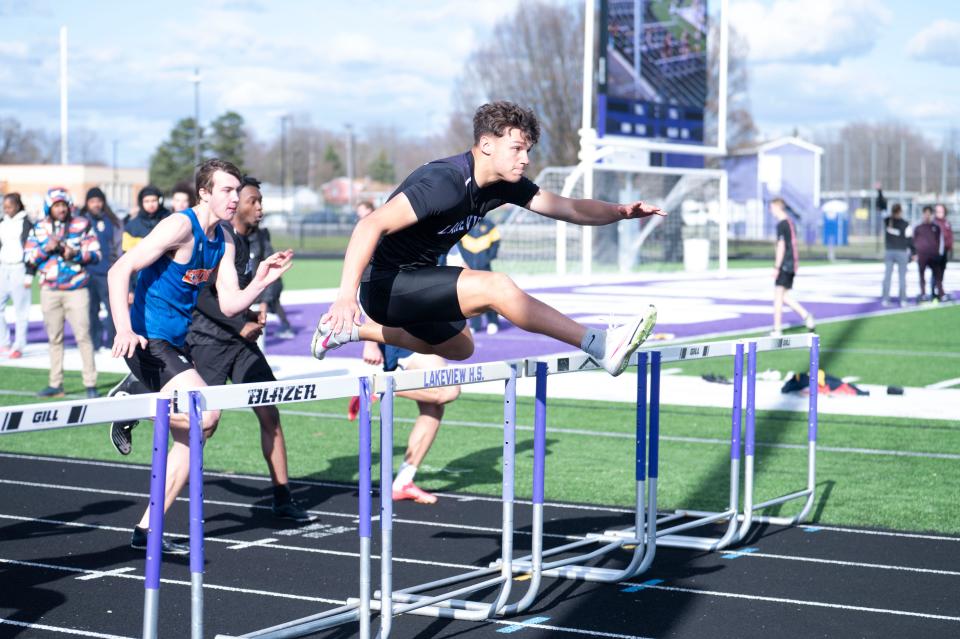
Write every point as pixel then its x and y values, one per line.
pixel 696 255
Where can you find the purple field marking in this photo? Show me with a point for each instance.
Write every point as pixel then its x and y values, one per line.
pixel 363 484
pixel 737 414
pixel 158 482
pixel 196 484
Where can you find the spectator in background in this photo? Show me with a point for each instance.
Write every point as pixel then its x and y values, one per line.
pixel 928 246
pixel 182 197
pixel 16 278
pixel 896 243
pixel 478 248
pixel 108 230
pixel 260 249
pixel 940 219
pixel 785 267
pixel 61 246
pixel 151 211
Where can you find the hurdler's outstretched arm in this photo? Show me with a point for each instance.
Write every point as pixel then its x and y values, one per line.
pixel 588 212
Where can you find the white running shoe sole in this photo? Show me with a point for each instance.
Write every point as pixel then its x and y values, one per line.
pixel 641 331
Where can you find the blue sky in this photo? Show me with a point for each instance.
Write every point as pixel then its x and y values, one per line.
pixel 813 63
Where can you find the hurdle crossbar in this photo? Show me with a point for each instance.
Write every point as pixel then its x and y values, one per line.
pixel 23 418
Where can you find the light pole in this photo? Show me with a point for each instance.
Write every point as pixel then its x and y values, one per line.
pixel 195 79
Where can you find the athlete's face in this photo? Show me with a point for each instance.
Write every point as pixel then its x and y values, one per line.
pixel 940 211
pixel 180 202
pixel 250 209
pixel 509 154
pixel 8 207
pixel 223 198
pixel 59 211
pixel 95 205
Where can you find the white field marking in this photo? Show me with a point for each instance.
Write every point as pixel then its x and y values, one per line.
pixel 305 482
pixel 233 504
pixel 947 383
pixel 838 562
pixel 794 602
pixel 882 533
pixel 176 582
pixel 63 631
pixel 250 591
pixel 250 544
pixel 677 438
pixel 233 542
pixel 105 573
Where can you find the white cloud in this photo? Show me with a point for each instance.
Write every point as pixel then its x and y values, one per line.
pixel 939 42
pixel 809 31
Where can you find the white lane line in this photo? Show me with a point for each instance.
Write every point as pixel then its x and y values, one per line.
pixel 105 573
pixel 947 383
pixel 520 625
pixel 794 602
pixel 279 595
pixel 64 631
pixel 603 509
pixel 840 562
pixel 234 542
pixel 176 582
pixel 885 533
pixel 250 544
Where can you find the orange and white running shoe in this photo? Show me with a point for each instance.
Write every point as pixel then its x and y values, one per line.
pixel 411 491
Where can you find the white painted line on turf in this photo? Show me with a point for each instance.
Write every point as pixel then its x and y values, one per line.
pixel 794 602
pixel 947 383
pixel 64 631
pixel 250 544
pixel 106 573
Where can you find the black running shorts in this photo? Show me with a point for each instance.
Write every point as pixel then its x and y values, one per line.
pixel 159 363
pixel 785 279
pixel 422 301
pixel 242 362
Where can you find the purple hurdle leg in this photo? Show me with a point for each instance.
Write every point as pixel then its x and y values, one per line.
pixel 158 483
pixel 365 521
pixel 196 516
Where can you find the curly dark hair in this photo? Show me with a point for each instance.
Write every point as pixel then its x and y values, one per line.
pixel 497 118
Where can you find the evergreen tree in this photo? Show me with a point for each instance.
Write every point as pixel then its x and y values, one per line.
pixel 381 169
pixel 173 160
pixel 228 138
pixel 332 158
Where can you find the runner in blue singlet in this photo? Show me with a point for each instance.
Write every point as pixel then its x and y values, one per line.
pixel 180 255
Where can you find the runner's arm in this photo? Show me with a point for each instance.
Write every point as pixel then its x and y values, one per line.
pixel 233 299
pixel 588 212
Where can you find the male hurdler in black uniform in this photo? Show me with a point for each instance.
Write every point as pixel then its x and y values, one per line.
pixel 412 303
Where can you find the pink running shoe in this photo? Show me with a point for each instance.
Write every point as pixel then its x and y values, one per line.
pixel 411 491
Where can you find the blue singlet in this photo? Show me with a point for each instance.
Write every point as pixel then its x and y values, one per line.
pixel 166 292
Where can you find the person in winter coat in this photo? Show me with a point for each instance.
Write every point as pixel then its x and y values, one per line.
pixel 928 246
pixel 940 219
pixel 108 230
pixel 897 236
pixel 60 246
pixel 15 277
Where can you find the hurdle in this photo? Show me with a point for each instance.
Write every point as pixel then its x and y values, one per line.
pixel 738 525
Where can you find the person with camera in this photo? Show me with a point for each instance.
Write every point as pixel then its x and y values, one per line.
pixel 60 246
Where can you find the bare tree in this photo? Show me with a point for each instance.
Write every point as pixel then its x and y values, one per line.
pixel 24 146
pixel 533 58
